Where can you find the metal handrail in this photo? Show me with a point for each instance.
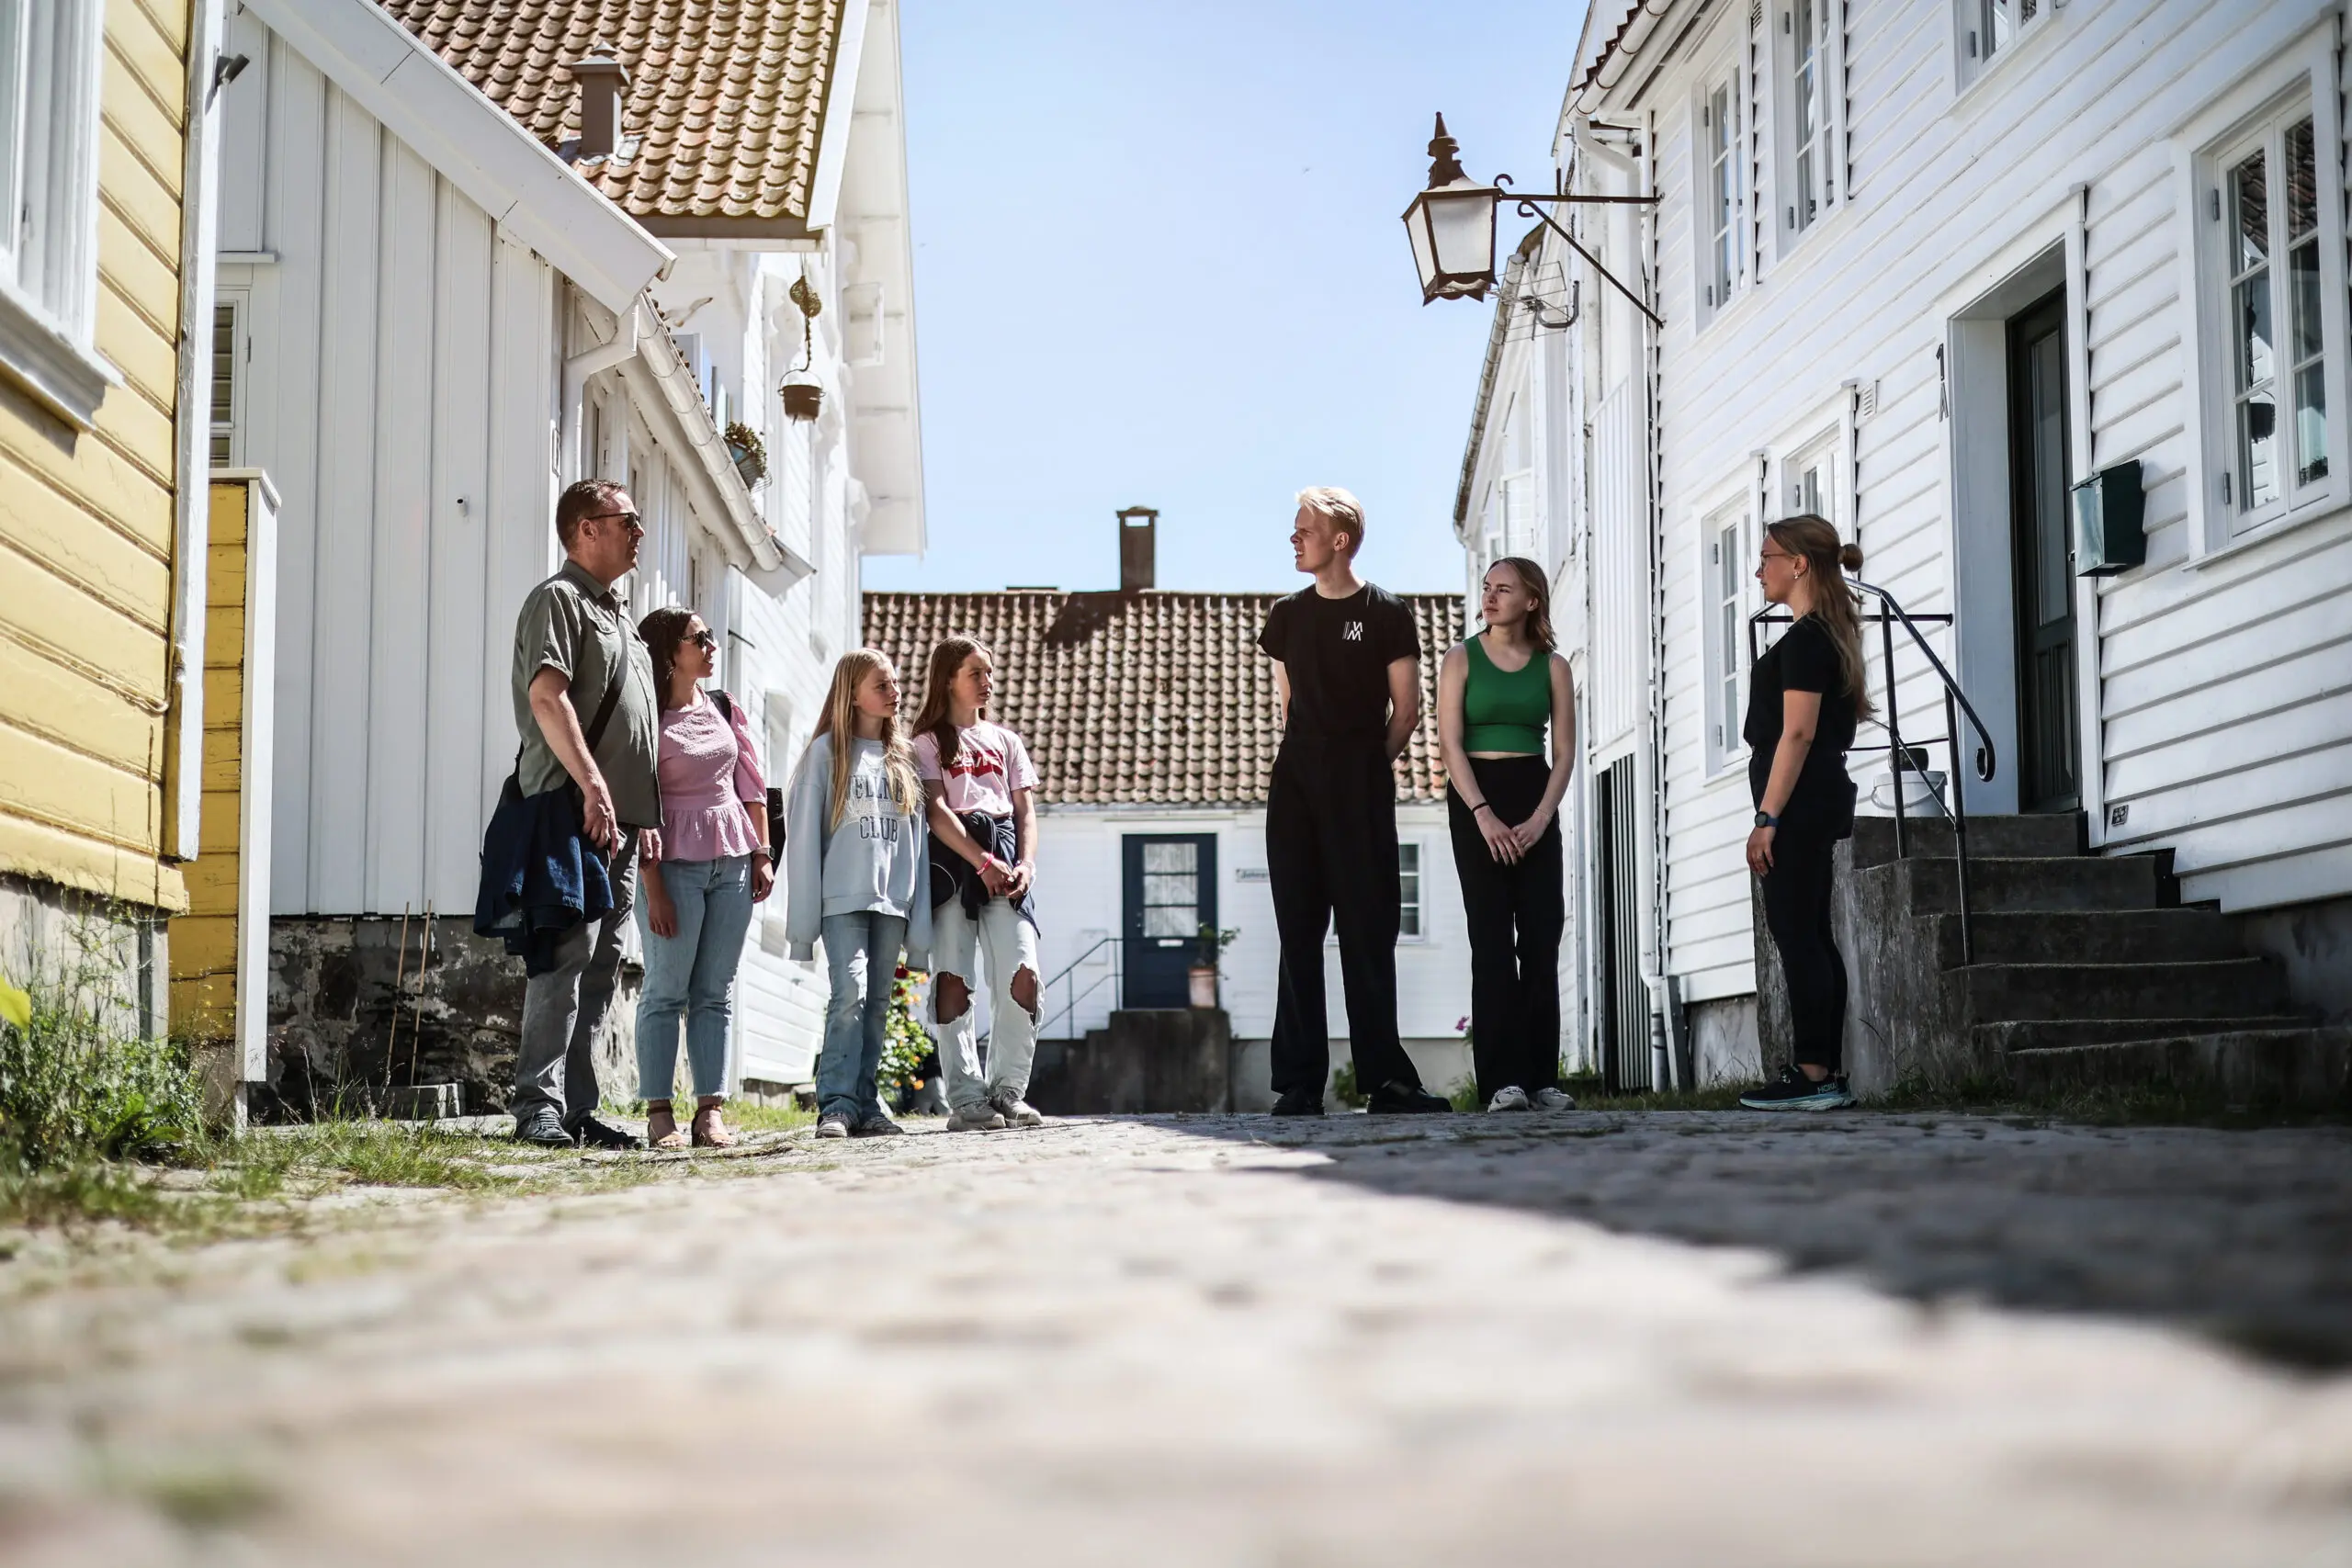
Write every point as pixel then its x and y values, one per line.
pixel 1901 758
pixel 1071 997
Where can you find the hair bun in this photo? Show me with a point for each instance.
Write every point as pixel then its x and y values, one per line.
pixel 1850 556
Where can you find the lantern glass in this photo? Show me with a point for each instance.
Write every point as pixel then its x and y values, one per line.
pixel 1453 232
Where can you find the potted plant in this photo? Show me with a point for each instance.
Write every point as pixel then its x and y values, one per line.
pixel 1209 947
pixel 747 452
pixel 803 400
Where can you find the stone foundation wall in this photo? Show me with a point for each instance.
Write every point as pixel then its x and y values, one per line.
pixel 1725 1043
pixel 55 934
pixel 353 1008
pixel 2315 941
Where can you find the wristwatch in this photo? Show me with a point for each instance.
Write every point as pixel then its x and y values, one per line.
pixel 1766 819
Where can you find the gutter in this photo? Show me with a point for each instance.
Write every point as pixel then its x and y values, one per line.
pixel 1616 57
pixel 576 371
pixel 1506 301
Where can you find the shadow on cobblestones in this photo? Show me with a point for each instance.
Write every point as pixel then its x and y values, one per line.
pixel 2243 1235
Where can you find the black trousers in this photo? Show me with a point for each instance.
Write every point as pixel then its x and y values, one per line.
pixel 1515 913
pixel 1796 909
pixel 1331 852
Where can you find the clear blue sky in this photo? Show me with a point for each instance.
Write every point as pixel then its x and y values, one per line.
pixel 1159 262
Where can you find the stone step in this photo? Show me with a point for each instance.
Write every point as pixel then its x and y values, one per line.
pixel 2046 836
pixel 2226 987
pixel 2310 1068
pixel 2087 936
pixel 1995 1040
pixel 2002 883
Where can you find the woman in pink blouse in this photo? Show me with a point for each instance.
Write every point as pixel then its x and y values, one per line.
pixel 697 901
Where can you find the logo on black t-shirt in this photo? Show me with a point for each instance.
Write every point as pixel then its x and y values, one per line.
pixel 1351 632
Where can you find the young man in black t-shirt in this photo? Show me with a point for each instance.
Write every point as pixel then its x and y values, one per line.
pixel 1348 665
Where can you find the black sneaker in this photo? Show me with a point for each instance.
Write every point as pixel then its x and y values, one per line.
pixel 1393 1098
pixel 877 1125
pixel 542 1126
pixel 1794 1091
pixel 593 1133
pixel 1299 1103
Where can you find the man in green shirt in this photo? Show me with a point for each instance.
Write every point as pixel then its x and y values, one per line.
pixel 589 715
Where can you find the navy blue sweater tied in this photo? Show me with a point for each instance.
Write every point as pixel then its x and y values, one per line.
pixel 956 879
pixel 540 875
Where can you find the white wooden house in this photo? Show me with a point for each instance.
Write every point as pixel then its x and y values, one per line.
pixel 442 301
pixel 1151 717
pixel 1921 267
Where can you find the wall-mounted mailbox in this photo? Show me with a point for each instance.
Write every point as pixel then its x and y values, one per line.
pixel 2108 536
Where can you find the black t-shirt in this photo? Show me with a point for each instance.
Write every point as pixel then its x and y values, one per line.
pixel 1805 660
pixel 1337 653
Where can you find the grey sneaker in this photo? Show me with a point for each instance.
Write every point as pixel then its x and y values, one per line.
pixel 1554 1099
pixel 1510 1097
pixel 544 1127
pixel 1016 1111
pixel 832 1124
pixel 981 1118
pixel 878 1125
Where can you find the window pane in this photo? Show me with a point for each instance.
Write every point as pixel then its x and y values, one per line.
pixel 2257 450
pixel 1170 923
pixel 2302 281
pixel 1181 858
pixel 2000 25
pixel 2251 312
pixel 2311 424
pixel 2250 201
pixel 2302 181
pixel 219 449
pixel 1176 892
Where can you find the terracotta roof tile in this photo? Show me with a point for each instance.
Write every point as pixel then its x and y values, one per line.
pixel 1157 698
pixel 725 96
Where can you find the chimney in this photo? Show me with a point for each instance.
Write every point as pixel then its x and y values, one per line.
pixel 602 84
pixel 1136 526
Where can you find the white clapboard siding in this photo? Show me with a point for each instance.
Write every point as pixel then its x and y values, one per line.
pixel 2224 725
pixel 401 394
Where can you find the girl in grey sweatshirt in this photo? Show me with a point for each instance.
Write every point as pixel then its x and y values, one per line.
pixel 857 875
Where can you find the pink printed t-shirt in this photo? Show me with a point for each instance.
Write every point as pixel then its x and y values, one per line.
pixel 991 764
pixel 710 774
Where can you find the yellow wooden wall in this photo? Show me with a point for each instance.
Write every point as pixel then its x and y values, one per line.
pixel 86 520
pixel 203 947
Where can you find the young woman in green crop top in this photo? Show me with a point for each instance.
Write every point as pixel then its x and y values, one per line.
pixel 1496 692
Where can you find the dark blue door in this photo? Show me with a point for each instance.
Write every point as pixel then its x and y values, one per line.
pixel 1171 894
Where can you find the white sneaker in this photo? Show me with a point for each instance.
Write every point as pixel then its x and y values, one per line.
pixel 1016 1111
pixel 1554 1099
pixel 1510 1097
pixel 981 1118
pixel 833 1125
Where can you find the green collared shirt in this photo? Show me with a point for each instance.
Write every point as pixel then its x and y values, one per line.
pixel 576 624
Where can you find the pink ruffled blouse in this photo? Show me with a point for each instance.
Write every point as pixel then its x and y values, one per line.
pixel 710 784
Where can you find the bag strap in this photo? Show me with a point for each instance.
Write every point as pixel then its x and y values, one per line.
pixel 726 704
pixel 595 731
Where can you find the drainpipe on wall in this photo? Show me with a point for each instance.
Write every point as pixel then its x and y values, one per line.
pixel 621 346
pixel 1654 741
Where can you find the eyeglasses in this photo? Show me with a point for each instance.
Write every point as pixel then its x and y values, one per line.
pixel 629 520
pixel 704 638
pixel 1775 555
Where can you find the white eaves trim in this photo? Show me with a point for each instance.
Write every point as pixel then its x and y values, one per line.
pixel 718 487
pixel 476 145
pixel 833 130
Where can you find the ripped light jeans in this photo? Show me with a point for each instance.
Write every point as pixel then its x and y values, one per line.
pixel 1008 944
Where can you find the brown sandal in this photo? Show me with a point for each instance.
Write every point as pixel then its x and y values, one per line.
pixel 676 1138
pixel 710 1131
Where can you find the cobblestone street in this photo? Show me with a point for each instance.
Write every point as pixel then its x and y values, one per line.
pixel 1667 1338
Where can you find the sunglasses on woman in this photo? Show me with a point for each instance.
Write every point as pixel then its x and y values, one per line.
pixel 704 638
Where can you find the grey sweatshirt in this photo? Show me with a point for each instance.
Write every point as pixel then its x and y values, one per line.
pixel 877 858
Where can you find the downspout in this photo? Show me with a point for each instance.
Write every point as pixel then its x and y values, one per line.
pixel 1664 1053
pixel 621 347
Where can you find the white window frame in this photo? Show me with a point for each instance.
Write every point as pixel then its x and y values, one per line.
pixel 230 371
pixel 1719 156
pixel 51 66
pixel 1412 860
pixel 2216 297
pixel 1974 22
pixel 1793 225
pixel 1515 513
pixel 1822 454
pixel 1729 526
pixel 2263 106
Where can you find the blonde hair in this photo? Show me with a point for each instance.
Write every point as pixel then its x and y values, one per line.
pixel 1539 588
pixel 1836 605
pixel 1340 506
pixel 839 721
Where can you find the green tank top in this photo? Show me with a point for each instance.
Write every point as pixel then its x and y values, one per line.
pixel 1506 710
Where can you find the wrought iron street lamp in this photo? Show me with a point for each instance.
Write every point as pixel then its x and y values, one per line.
pixel 1451 226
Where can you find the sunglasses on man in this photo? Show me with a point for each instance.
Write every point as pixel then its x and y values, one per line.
pixel 629 520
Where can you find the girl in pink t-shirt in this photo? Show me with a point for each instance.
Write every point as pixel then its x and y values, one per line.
pixel 979 782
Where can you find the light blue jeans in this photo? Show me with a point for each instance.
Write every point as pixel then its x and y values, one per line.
pixel 862 959
pixel 692 975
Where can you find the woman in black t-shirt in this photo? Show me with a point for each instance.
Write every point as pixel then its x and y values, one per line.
pixel 1804 697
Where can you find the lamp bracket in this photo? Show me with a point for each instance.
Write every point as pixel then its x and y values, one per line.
pixel 1527 209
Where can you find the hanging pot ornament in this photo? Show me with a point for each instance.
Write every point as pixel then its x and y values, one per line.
pixel 803 400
